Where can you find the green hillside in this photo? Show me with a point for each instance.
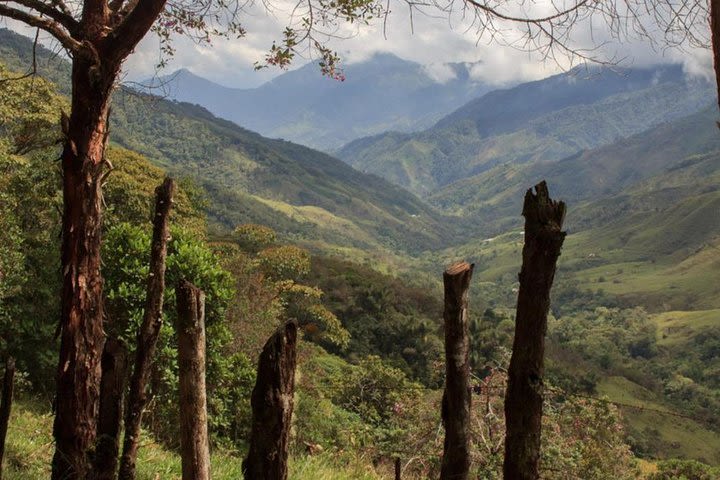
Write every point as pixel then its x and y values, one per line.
pixel 542 121
pixel 249 178
pixel 491 196
pixel 239 168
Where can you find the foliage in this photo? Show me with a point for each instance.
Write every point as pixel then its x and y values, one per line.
pixel 11 248
pixel 490 337
pixel 29 112
pixel 30 304
pixel 385 316
pixel 230 375
pixel 269 284
pixel 286 262
pixel 253 238
pixel 129 194
pixel 610 335
pixel 684 470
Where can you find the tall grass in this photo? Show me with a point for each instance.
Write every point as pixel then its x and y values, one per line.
pixel 29 451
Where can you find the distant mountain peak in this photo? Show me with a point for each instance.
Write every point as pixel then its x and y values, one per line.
pixel 382 92
pixel 386 57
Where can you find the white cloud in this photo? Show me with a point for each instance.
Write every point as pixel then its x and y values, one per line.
pixel 429 40
pixel 440 72
pixel 697 63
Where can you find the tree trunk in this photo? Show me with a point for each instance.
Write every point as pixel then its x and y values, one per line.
pixel 456 398
pixel 272 407
pixel 194 445
pixel 81 322
pixel 112 389
pixel 5 406
pixel 149 330
pixel 524 397
pixel 715 42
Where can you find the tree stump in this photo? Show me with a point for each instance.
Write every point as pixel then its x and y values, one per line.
pixel 272 407
pixel 456 398
pixel 524 397
pixel 149 332
pixel 194 444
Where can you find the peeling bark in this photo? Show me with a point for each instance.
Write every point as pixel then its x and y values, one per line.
pixel 82 338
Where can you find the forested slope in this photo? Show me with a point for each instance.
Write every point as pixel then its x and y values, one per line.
pixel 305 194
pixel 541 121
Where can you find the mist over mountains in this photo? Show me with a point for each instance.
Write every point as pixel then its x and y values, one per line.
pixel 380 94
pixel 542 121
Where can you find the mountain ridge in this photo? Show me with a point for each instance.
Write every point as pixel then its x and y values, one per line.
pixel 546 120
pixel 249 178
pixel 381 93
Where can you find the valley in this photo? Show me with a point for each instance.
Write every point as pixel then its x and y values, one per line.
pixel 635 309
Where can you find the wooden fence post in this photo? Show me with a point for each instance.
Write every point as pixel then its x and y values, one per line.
pixel 272 407
pixel 524 397
pixel 398 468
pixel 456 398
pixel 6 405
pixel 114 363
pixel 149 330
pixel 194 444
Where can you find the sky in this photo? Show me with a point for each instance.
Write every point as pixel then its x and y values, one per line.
pixel 431 40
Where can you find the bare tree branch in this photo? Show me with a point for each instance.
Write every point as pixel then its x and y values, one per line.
pixel 62 18
pixel 31 72
pixel 51 26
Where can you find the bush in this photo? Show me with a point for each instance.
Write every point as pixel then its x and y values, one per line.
pixel 676 469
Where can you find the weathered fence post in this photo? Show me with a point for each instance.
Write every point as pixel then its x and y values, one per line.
pixel 6 405
pixel 524 397
pixel 398 468
pixel 456 398
pixel 114 364
pixel 272 407
pixel 149 330
pixel 194 444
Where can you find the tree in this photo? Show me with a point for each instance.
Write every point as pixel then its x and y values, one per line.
pixel 525 391
pixel 98 38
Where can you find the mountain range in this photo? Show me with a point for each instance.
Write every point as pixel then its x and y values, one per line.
pixel 379 94
pixel 305 194
pixel 542 121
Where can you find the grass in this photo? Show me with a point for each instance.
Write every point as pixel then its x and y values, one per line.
pixel 687 281
pixel 672 436
pixel 29 451
pixel 676 328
